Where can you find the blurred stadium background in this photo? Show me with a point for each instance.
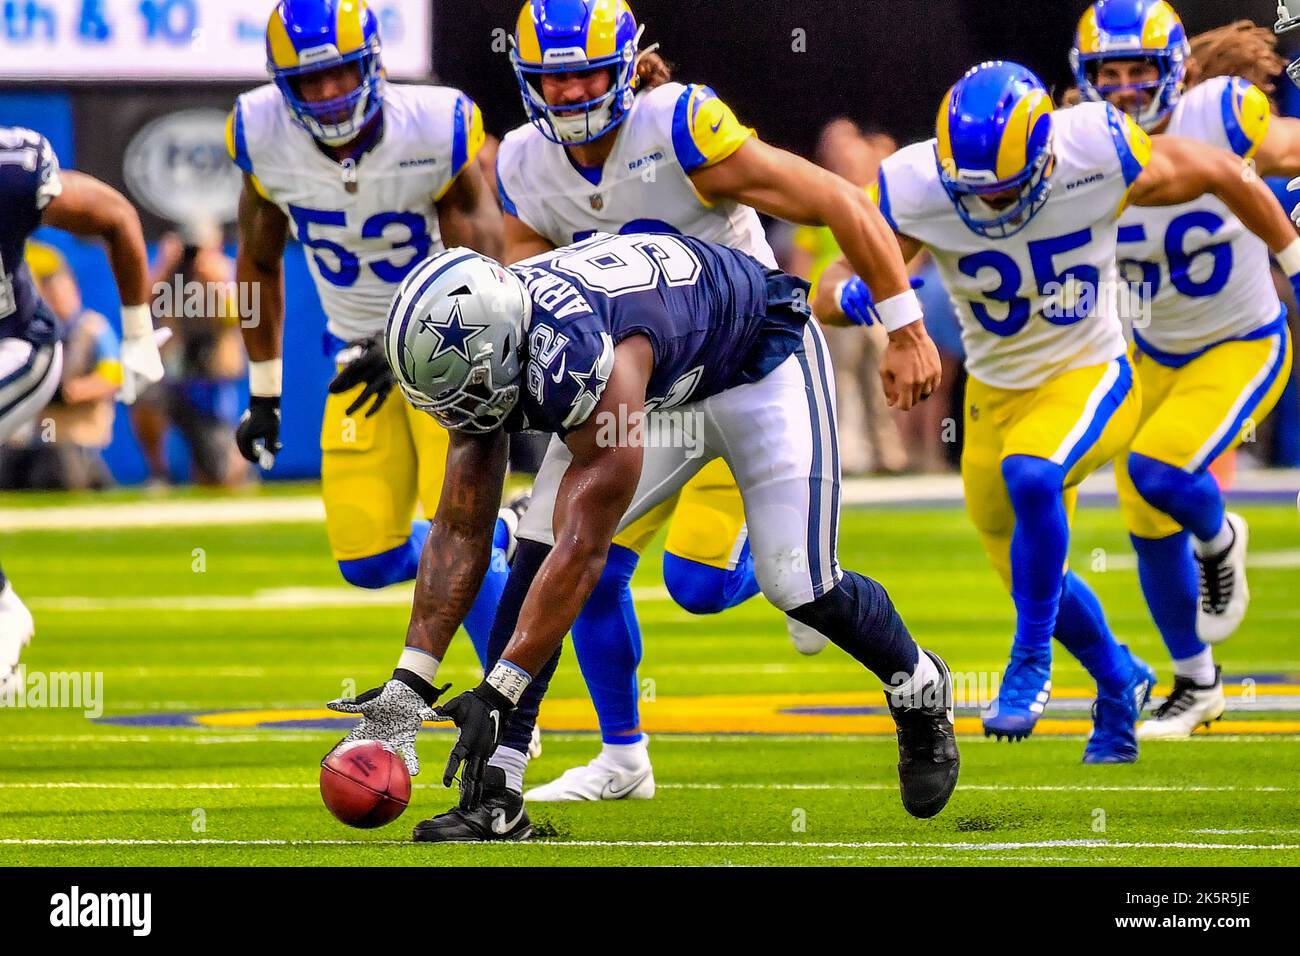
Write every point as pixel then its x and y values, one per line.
pixel 117 88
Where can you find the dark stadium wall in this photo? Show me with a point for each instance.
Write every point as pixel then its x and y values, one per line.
pixel 787 67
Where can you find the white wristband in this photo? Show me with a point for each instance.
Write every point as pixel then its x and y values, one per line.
pixel 137 322
pixel 510 680
pixel 900 310
pixel 266 379
pixel 419 662
pixel 1289 258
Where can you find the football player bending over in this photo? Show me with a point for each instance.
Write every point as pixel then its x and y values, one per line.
pixel 371 178
pixel 629 319
pixel 1213 354
pixel 1020 208
pixel 614 147
pixel 34 192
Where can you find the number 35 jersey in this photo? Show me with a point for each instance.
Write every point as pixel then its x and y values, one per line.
pixel 1041 302
pixel 360 241
pixel 1207 275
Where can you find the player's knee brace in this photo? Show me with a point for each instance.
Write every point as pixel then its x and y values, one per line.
pixel 704 589
pixel 1033 484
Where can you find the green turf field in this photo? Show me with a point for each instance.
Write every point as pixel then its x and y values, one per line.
pixel 258 621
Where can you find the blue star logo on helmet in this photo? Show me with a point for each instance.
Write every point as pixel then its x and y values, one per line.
pixel 452 335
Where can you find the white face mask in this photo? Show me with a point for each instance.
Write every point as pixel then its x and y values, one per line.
pixel 583 126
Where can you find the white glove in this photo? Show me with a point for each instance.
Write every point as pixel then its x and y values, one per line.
pixel 141 363
pixel 1291 187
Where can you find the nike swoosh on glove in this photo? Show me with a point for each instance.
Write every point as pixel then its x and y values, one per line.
pixel 391 714
pixel 141 364
pixel 480 714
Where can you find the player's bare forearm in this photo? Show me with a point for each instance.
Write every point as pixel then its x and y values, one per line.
pixel 789 187
pixel 593 495
pixel 468 214
pixel 259 264
pixel 459 546
pixel 87 207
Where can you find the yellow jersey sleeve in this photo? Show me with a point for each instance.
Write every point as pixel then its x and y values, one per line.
pixel 1246 116
pixel 237 147
pixel 704 129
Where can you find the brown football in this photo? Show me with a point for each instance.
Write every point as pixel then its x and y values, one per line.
pixel 365 784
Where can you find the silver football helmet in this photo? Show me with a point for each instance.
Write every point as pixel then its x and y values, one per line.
pixel 455 339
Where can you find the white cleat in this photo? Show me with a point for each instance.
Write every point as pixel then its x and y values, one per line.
pixel 1188 706
pixel 16 631
pixel 1224 593
pixel 805 639
pixel 535 743
pixel 602 779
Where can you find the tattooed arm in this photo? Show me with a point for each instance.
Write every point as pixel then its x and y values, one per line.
pixel 459 546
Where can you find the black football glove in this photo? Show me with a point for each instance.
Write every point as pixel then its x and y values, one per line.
pixel 479 714
pixel 258 434
pixel 370 367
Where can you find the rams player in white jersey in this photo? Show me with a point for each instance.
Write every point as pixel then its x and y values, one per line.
pixel 372 178
pixel 1213 353
pixel 1019 207
pixel 613 146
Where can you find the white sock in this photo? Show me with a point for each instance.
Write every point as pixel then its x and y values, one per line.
pixel 1199 668
pixel 1221 542
pixel 908 693
pixel 628 756
pixel 514 764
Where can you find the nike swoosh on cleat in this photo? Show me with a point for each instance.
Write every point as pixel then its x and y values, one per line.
pixel 503 826
pixel 609 793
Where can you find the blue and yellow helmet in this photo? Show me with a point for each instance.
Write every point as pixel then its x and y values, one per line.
pixel 570 36
pixel 994 135
pixel 1133 30
pixel 304 36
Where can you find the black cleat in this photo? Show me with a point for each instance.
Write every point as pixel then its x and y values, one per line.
pixel 927 748
pixel 501 816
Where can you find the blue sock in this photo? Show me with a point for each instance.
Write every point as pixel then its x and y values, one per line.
pixel 1039 546
pixel 858 615
pixel 1194 501
pixel 1082 630
pixel 703 589
pixel 607 642
pixel 1171 584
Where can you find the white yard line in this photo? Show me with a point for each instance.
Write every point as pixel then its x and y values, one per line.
pixel 721 844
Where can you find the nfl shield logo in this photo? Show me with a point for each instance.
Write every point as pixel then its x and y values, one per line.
pixel 597 202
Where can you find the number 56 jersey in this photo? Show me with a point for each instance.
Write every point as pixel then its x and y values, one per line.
pixel 1207 276
pixel 364 226
pixel 1041 302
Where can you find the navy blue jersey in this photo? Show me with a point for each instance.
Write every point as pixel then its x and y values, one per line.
pixel 715 318
pixel 29 178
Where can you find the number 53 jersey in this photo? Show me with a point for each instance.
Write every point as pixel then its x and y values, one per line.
pixel 1207 277
pixel 361 237
pixel 1042 302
